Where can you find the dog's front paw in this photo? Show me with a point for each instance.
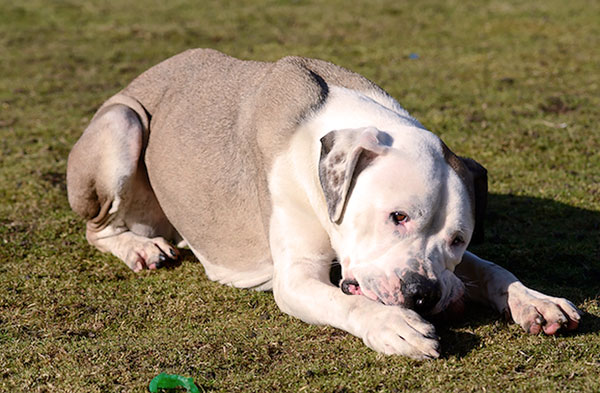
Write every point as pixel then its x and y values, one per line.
pixel 393 330
pixel 536 312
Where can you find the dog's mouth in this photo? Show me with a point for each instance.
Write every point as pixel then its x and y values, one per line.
pixel 351 287
pixel 451 313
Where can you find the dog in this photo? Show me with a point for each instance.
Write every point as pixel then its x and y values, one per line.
pixel 270 171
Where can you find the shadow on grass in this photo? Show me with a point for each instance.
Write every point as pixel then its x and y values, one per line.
pixel 460 343
pixel 550 246
pixel 186 255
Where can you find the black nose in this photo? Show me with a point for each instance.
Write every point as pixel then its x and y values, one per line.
pixel 347 284
pixel 420 293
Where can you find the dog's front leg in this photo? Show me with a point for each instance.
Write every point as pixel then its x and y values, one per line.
pixel 535 312
pixel 302 258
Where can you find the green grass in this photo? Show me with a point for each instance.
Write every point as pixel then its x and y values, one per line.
pixel 515 85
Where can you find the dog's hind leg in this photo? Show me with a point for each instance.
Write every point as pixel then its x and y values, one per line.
pixel 108 185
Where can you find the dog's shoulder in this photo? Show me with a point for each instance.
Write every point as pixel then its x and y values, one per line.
pixel 296 88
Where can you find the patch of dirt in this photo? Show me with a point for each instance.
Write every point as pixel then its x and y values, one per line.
pixel 556 105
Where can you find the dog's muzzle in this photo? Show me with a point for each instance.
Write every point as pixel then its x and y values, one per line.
pixel 417 292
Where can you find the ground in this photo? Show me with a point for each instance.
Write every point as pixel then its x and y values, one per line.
pixel 514 84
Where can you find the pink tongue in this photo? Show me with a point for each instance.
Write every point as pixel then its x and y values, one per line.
pixel 354 289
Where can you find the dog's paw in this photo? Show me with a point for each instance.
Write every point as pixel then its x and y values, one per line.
pixel 536 312
pixel 395 330
pixel 150 254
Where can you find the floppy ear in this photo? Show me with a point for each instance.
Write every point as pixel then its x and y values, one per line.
pixel 344 153
pixel 480 190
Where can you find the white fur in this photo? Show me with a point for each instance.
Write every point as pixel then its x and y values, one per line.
pixel 304 241
pixel 412 176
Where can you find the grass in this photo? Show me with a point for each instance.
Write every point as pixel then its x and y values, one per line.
pixel 513 84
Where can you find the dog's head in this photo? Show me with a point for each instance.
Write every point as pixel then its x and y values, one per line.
pixel 404 209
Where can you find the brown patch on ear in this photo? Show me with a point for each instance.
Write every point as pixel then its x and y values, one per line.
pixel 474 175
pixel 343 157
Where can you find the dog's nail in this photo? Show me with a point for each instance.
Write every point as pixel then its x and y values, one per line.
pixel 535 328
pixel 433 336
pixel 552 329
pixel 434 353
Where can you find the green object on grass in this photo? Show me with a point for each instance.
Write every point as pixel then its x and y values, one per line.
pixel 170 381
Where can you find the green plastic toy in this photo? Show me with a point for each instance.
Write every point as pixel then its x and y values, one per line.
pixel 170 381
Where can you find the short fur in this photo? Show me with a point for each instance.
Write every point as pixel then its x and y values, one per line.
pixel 269 171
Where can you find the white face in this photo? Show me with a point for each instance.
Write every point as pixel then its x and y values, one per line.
pixel 406 226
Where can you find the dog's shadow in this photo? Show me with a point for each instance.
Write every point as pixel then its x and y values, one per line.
pixel 458 339
pixel 550 246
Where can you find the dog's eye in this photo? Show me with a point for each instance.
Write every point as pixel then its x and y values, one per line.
pixel 457 241
pixel 398 217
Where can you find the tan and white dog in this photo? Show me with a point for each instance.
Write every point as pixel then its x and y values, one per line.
pixel 270 171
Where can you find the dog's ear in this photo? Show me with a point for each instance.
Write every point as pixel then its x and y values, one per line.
pixel 480 190
pixel 344 153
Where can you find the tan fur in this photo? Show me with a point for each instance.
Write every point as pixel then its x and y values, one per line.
pixel 214 125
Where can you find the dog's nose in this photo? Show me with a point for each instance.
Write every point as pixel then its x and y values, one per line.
pixel 420 293
pixel 350 287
